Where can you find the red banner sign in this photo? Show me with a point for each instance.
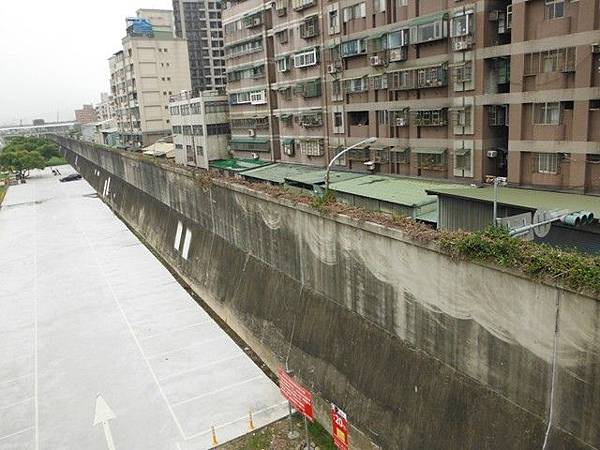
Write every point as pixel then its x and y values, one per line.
pixel 300 398
pixel 340 427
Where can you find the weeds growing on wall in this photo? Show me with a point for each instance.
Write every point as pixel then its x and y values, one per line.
pixel 569 268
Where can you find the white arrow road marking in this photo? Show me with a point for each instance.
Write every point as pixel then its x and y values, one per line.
pixel 103 415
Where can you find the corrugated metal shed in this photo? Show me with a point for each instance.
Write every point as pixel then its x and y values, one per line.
pixel 237 164
pixel 277 173
pixel 404 196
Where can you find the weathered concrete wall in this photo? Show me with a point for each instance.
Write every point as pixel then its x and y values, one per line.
pixel 422 351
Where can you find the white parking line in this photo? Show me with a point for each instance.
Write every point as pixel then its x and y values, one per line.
pixel 223 425
pixel 28 399
pixel 216 391
pixel 187 347
pixel 14 380
pixel 24 430
pixel 175 330
pixel 212 363
pixel 126 320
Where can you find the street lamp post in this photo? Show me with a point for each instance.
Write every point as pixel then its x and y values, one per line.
pixel 367 141
pixel 498 181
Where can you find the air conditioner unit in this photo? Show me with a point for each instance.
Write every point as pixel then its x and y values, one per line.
pixel 460 45
pixel 397 55
pixel 255 156
pixel 375 61
pixel 494 15
pixel 281 12
pixel 492 153
pixel 251 133
pixel 400 121
pixel 331 68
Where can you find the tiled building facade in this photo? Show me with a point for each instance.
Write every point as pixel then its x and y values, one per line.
pixel 450 89
pixel 199 22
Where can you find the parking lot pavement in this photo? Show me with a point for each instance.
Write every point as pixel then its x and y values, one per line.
pixel 93 329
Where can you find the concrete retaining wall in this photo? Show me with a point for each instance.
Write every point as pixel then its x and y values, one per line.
pixel 422 351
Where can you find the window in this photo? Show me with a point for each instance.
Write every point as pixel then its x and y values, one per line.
pixel 382 117
pixel 311 120
pixel 462 25
pixel 463 73
pixel 354 47
pixel 497 116
pixel 174 110
pixel 215 129
pixel 176 129
pixel 431 77
pixel 282 64
pixel 359 11
pixel 595 104
pixel 185 110
pixel 358 118
pixel 216 107
pixel 299 5
pixel 187 130
pixel 239 98
pixel 402 80
pixel 380 82
pixel 462 159
pixel 244 48
pixel 197 130
pixel 379 5
pixel 400 156
pixel 311 147
pixel 548 163
pixel 306 58
pixel 462 117
pixel 429 31
pixel 258 98
pixel 334 21
pixel 356 85
pixel 282 36
pixel 191 157
pixel 430 118
pixel 554 9
pixel 546 113
pixel 431 160
pixel 310 27
pixel 338 119
pixel 397 39
pixel 400 117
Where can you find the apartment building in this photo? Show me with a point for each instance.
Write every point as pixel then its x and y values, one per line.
pixel 201 131
pixel 450 89
pixel 199 22
pixel 152 66
pixel 87 114
pixel 105 108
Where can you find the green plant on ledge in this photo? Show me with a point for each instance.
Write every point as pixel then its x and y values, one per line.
pixel 321 202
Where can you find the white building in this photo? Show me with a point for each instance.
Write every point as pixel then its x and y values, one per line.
pixel 200 124
pixel 152 65
pixel 105 109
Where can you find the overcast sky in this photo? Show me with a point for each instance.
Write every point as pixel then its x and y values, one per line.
pixel 54 54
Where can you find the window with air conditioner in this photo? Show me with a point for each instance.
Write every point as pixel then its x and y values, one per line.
pixel 546 113
pixel 306 58
pixel 258 98
pixel 548 163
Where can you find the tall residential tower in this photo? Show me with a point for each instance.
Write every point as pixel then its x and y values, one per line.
pixel 199 22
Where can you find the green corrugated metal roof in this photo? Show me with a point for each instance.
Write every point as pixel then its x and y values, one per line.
pixel 318 177
pixel 237 164
pixel 427 19
pixel 401 191
pixel 527 198
pixel 277 173
pixel 431 216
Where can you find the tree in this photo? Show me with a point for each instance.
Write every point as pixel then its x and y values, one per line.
pixel 21 161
